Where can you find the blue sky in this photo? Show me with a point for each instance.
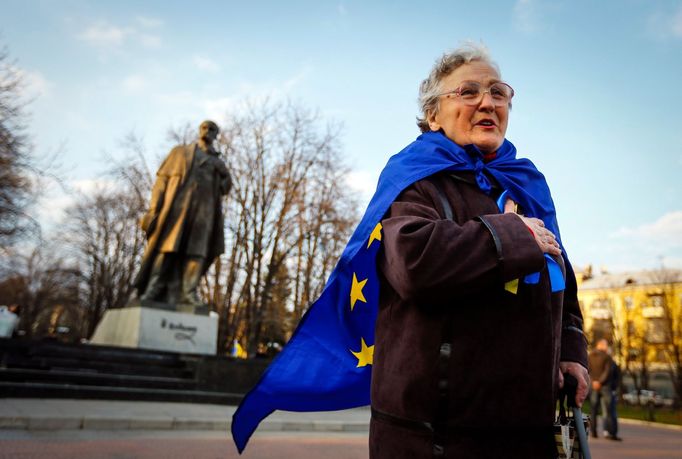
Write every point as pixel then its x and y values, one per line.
pixel 597 105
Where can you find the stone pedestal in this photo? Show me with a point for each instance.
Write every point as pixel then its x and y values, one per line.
pixel 150 328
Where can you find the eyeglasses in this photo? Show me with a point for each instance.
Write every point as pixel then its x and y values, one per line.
pixel 471 93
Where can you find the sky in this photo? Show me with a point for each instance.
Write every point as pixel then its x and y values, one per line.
pixel 597 106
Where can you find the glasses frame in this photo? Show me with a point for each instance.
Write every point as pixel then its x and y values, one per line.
pixel 457 92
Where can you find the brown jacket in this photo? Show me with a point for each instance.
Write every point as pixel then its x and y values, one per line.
pixel 492 392
pixel 600 366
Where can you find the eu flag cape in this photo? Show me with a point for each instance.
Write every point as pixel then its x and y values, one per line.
pixel 327 363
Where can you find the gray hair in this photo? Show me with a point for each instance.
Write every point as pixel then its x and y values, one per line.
pixel 430 88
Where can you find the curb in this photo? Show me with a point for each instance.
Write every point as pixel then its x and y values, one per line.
pixel 48 423
pixel 112 423
pixel 638 422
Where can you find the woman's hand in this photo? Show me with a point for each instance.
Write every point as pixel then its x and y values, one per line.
pixel 545 239
pixel 581 374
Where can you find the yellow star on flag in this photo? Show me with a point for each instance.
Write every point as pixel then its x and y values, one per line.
pixel 356 291
pixel 366 355
pixel 376 234
pixel 512 286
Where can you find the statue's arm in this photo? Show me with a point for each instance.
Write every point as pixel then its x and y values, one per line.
pixel 158 193
pixel 225 178
pixel 226 183
pixel 148 221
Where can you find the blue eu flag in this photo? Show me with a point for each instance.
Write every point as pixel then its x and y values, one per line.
pixel 327 363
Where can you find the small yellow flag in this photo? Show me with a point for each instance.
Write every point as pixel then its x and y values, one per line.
pixel 512 286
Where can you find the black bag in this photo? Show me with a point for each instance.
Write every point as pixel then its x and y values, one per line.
pixel 567 432
pixel 566 436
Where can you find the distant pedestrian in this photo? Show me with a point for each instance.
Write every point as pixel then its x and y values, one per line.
pixel 614 384
pixel 8 320
pixel 600 366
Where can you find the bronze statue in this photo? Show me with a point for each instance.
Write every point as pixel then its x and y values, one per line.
pixel 184 224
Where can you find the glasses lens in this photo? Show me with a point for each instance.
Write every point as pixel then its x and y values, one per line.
pixel 470 92
pixel 500 91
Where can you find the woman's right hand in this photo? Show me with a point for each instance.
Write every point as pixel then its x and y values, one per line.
pixel 545 239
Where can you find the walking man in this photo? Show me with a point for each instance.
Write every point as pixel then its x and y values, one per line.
pixel 600 367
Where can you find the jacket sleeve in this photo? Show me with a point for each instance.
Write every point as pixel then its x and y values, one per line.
pixel 573 339
pixel 426 255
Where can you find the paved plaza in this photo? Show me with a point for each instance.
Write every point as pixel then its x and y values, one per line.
pixel 94 429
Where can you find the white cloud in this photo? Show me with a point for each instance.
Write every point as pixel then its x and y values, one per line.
pixel 677 24
pixel 86 186
pixel 134 83
pixel 148 40
pixel 33 84
pixel 206 64
pixel 216 109
pixel 148 22
pixel 363 182
pixel 101 34
pixel 664 232
pixel 526 16
pixel 640 247
pixel 53 203
pixel 215 101
pixel 104 35
pixel 298 78
pixel 176 98
pixel 666 24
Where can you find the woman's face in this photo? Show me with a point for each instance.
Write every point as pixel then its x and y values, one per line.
pixel 483 124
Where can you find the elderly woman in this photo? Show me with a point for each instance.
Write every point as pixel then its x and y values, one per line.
pixel 474 328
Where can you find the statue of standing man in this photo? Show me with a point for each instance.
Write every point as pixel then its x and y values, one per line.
pixel 184 223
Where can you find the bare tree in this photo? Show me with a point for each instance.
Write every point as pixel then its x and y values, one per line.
pixel 634 348
pixel 16 162
pixel 103 232
pixel 669 300
pixel 40 282
pixel 288 210
pixel 102 229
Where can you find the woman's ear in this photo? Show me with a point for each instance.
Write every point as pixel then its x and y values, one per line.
pixel 434 125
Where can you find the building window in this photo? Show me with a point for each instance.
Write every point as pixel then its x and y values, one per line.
pixel 628 303
pixel 600 309
pixel 657 330
pixel 632 329
pixel 657 301
pixel 661 356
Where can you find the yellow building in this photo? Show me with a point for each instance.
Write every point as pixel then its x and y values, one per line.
pixel 639 313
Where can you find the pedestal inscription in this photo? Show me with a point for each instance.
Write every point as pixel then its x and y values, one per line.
pixel 158 329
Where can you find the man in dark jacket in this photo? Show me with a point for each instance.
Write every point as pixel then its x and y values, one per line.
pixel 614 384
pixel 600 366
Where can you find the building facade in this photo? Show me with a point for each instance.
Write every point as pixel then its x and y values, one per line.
pixel 639 313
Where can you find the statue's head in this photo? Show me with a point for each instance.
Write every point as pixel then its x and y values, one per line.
pixel 208 131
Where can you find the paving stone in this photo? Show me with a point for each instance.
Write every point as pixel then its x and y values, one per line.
pixel 192 424
pixel 270 426
pixel 151 423
pixel 54 423
pixel 356 427
pixel 14 422
pixel 106 423
pixel 295 426
pixel 328 426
